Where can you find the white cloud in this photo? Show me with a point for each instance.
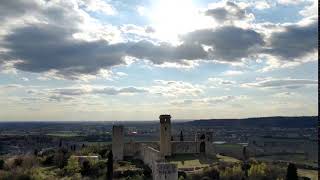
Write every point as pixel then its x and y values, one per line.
pixel 141 10
pixel 175 88
pixel 284 94
pixel 232 73
pixel 290 2
pixel 98 6
pixel 208 101
pixel 286 83
pixel 219 82
pixel 25 79
pixel 260 5
pixel 310 10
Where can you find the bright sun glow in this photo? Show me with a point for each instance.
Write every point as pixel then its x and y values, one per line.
pixel 171 18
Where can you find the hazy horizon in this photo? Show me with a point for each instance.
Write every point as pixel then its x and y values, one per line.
pixel 148 120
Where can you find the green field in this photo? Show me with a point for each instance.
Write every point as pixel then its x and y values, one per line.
pixel 191 161
pixel 226 145
pixel 63 134
pixel 297 158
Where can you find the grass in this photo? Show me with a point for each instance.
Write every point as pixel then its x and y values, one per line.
pixel 312 174
pixel 42 173
pixel 227 159
pixel 297 158
pixel 234 146
pixel 127 167
pixel 190 161
pixel 63 134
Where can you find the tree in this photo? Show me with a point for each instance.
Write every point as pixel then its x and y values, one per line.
pixel 181 136
pixel 103 152
pixel 35 152
pixel 292 172
pixel 18 161
pixel 61 157
pixel 244 153
pixel 85 170
pixel 110 166
pixel 73 166
pixel 1 163
pixel 245 166
pixel 49 160
pixel 60 143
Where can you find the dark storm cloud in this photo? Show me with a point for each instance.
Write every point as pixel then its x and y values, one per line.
pixel 45 47
pixel 51 45
pixel 165 52
pixel 230 11
pixel 61 13
pixel 294 42
pixel 16 8
pixel 228 43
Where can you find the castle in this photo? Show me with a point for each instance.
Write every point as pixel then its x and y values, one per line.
pixel 153 155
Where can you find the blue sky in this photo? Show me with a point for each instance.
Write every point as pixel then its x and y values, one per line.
pixel 133 60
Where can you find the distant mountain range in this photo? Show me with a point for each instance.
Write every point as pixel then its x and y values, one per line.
pixel 278 121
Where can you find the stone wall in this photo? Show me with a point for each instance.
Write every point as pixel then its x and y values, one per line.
pixel 269 146
pixel 185 147
pixel 131 148
pixel 152 158
pixel 165 171
pixel 149 155
pixel 210 150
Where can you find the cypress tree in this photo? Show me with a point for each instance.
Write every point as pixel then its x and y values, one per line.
pixel 60 142
pixel 181 136
pixel 110 166
pixel 292 172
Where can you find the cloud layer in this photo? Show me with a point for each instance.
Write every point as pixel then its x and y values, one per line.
pixel 288 83
pixel 59 37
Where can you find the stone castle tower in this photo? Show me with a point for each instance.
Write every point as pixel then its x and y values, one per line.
pixel 117 142
pixel 165 135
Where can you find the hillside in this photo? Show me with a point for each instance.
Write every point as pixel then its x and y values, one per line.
pixel 282 122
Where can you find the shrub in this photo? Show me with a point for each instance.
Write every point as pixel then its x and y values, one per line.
pixel 17 161
pixel 49 160
pixel 23 177
pixel 1 163
pixel 292 172
pixel 61 158
pixel 212 173
pixel 258 171
pixel 73 166
pixel 147 172
pixel 234 172
pixel 182 174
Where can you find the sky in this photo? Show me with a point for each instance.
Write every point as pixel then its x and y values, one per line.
pixel 110 60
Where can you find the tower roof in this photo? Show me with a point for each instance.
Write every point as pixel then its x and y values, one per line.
pixel 165 116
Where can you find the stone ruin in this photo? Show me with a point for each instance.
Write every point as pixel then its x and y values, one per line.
pixel 156 159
